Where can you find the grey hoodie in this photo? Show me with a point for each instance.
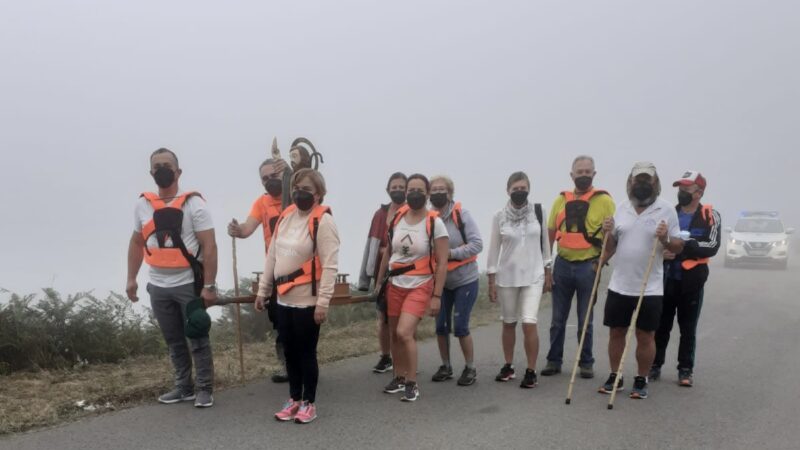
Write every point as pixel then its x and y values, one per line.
pixel 462 250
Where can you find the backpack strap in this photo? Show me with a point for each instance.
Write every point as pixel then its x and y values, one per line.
pixel 537 208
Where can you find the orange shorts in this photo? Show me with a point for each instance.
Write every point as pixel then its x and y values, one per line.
pixel 411 301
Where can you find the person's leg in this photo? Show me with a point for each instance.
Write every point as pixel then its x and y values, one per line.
pixel 400 368
pixel 280 375
pixel 200 347
pixel 383 334
pixel 646 326
pixel 671 296
pixel 444 325
pixel 406 330
pixel 169 315
pixel 563 290
pixel 689 308
pixel 508 298
pixel 465 297
pixel 530 297
pixel 286 325
pixel 307 335
pixel 616 344
pixel 584 284
pixel 645 351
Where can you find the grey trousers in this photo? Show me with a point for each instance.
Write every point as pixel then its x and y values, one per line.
pixel 169 308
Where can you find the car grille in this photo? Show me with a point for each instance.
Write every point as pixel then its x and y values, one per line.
pixel 757 248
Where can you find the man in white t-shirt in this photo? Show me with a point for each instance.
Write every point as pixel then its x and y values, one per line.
pixel 174 233
pixel 639 224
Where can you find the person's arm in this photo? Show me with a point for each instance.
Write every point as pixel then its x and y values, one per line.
pixel 547 260
pixel 208 245
pixel 267 278
pixel 243 230
pixel 135 257
pixel 328 251
pixel 706 247
pixel 441 251
pixel 493 257
pixel 474 244
pixel 609 228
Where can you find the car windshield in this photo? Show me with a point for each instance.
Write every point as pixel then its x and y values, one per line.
pixel 759 226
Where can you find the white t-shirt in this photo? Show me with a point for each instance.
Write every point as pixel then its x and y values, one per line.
pixel 410 243
pixel 516 253
pixel 635 234
pixel 195 218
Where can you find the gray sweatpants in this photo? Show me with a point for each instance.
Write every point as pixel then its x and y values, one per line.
pixel 169 308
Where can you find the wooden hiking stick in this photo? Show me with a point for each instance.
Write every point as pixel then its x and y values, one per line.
pixel 238 312
pixel 632 326
pixel 592 301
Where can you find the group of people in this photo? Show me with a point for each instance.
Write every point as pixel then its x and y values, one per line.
pixel 421 259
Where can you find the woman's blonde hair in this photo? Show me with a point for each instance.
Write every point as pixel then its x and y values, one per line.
pixel 448 182
pixel 314 177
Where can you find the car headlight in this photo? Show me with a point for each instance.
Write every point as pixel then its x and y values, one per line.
pixel 734 241
pixel 779 243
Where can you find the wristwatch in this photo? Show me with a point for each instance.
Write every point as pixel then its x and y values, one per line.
pixel 211 287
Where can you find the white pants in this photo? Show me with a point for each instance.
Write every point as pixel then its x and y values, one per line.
pixel 520 304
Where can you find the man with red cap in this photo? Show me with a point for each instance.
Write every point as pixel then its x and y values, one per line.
pixel 686 274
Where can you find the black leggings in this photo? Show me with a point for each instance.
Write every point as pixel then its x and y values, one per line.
pixel 300 335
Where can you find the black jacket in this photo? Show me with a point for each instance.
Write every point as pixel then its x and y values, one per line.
pixel 704 243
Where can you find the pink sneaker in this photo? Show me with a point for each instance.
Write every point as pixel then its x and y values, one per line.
pixel 307 413
pixel 288 412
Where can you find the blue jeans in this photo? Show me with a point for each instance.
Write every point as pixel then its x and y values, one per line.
pixel 568 279
pixel 456 307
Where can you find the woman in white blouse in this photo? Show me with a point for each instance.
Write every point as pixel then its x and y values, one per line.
pixel 519 272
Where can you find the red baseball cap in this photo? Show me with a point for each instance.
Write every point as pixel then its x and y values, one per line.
pixel 691 177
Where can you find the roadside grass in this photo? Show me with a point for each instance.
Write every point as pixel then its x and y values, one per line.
pixel 40 398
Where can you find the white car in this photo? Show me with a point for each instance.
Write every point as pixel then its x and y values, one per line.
pixel 759 237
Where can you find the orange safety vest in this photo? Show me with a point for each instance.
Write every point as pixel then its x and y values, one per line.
pixel 708 215
pixel 164 227
pixel 454 264
pixel 311 270
pixel 272 213
pixel 571 232
pixel 422 266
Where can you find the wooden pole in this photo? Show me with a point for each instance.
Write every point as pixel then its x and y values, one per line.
pixel 589 307
pixel 238 312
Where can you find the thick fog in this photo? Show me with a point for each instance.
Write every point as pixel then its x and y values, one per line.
pixel 474 90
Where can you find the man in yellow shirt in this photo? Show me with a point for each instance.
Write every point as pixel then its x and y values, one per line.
pixel 576 222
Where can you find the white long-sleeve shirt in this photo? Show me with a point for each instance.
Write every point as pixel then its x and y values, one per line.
pixel 518 254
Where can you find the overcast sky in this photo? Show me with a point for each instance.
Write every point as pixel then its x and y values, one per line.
pixel 475 90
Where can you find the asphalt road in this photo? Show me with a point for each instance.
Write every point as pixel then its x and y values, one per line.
pixel 746 396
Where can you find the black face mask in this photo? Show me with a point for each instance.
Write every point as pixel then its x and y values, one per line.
pixel 519 198
pixel 416 200
pixel 439 199
pixel 304 200
pixel 164 177
pixel 398 197
pixel 685 198
pixel 642 191
pixel 274 187
pixel 583 183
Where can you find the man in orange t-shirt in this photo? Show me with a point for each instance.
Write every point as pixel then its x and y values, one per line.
pixel 265 213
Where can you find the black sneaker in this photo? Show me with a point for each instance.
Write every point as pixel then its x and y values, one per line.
pixel 506 373
pixel 530 381
pixel 280 377
pixel 685 378
pixel 411 393
pixel 551 369
pixel 655 373
pixel 468 377
pixel 398 384
pixel 384 365
pixel 639 391
pixel 587 372
pixel 444 373
pixel 608 387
